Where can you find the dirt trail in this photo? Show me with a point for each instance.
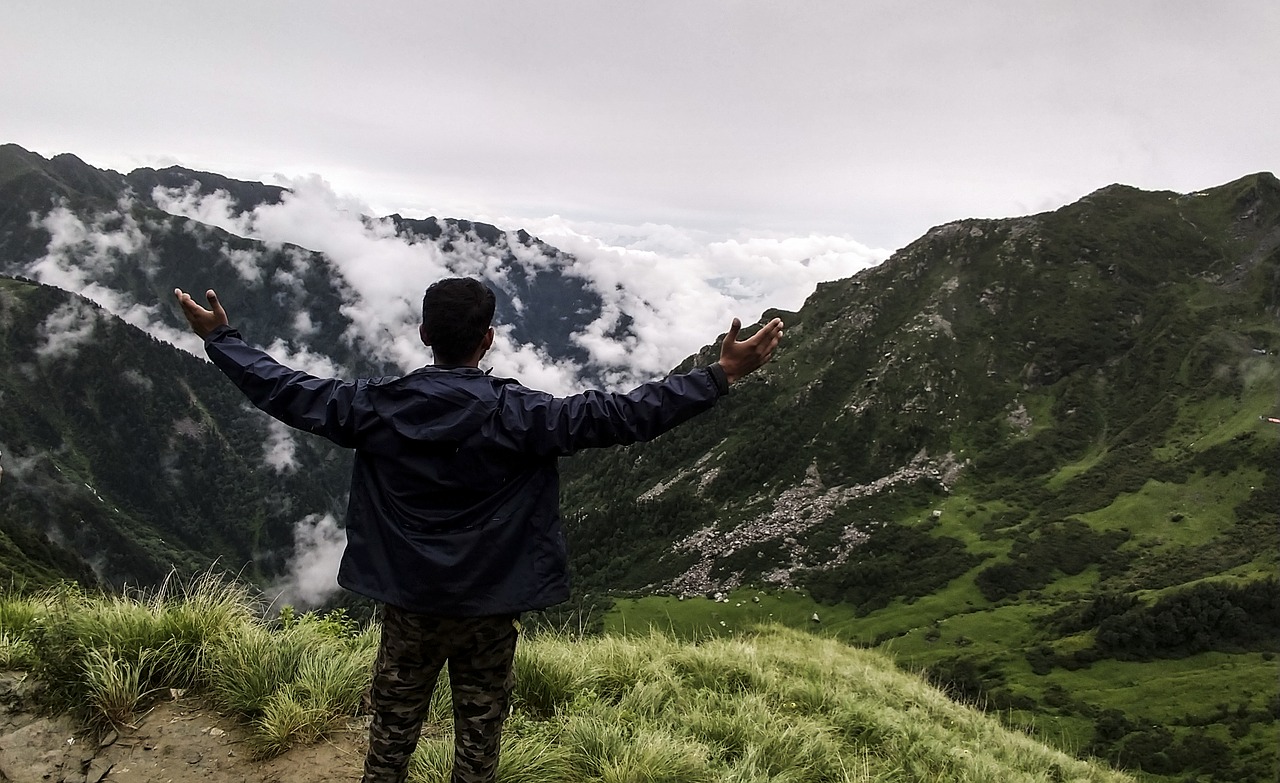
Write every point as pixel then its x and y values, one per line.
pixel 177 741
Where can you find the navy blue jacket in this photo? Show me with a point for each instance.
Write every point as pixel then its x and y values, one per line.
pixel 455 493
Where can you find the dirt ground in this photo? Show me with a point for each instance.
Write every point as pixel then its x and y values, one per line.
pixel 177 741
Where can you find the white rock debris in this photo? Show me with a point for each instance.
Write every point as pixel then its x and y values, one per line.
pixel 655 492
pixel 796 511
pixel 1019 418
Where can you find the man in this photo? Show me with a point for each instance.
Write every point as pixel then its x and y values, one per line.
pixel 453 520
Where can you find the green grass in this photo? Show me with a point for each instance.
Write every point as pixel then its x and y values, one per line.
pixel 1069 471
pixel 700 618
pixel 1207 423
pixel 956 623
pixel 1205 503
pixel 983 634
pixel 1191 685
pixel 769 704
pixel 963 518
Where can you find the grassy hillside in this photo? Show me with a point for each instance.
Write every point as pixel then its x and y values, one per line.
pixel 772 705
pixel 1203 716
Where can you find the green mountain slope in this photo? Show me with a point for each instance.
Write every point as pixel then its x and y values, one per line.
pixel 1027 453
pixel 125 457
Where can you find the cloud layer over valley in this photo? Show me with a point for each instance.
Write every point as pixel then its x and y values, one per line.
pixel 674 290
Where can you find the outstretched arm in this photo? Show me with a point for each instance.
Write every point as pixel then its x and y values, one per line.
pixel 324 406
pixel 742 357
pixel 544 424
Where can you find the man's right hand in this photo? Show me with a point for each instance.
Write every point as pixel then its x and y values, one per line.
pixel 738 358
pixel 202 321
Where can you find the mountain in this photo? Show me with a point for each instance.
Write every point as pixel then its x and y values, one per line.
pixel 1030 454
pixel 1042 367
pixel 127 240
pixel 125 457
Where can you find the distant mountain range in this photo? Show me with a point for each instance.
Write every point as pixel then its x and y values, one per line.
pixel 103 233
pixel 1030 454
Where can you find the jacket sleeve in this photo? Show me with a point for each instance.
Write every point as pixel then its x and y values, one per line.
pixel 324 406
pixel 558 426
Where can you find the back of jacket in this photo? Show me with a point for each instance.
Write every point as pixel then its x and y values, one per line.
pixel 454 503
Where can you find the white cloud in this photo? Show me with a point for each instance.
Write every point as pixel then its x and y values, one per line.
pixel 279 450
pixel 216 212
pixel 677 289
pixel 312 575
pixel 18 466
pixel 384 274
pixel 66 329
pixel 245 262
pixel 303 326
pixel 80 252
pixel 136 378
pixel 680 288
pixel 530 366
pixel 304 359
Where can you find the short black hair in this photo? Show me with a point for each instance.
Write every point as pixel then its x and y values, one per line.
pixel 456 313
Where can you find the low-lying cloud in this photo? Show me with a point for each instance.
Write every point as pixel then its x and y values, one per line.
pixel 70 326
pixel 280 450
pixel 679 288
pixel 83 251
pixel 682 288
pixel 312 578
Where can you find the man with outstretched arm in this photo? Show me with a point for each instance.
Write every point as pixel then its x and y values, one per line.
pixel 453 521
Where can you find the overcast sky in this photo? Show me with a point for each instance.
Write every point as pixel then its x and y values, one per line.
pixel 868 120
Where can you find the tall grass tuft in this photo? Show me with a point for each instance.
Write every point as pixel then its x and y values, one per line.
pixel 284 722
pixel 332 679
pixel 614 664
pixel 16 652
pixel 247 666
pixel 655 756
pixel 594 742
pixel 20 615
pixel 432 761
pixel 549 676
pixel 115 685
pixel 723 666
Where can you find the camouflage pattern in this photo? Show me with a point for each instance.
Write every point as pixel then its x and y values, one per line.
pixel 414 648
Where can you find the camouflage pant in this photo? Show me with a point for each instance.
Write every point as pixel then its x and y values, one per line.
pixel 414 648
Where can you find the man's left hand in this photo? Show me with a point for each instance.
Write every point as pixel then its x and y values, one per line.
pixel 202 321
pixel 739 358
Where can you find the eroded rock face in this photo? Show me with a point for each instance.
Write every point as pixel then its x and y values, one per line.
pixel 43 750
pixel 34 748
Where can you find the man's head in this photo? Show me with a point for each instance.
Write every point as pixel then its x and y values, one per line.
pixel 457 314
